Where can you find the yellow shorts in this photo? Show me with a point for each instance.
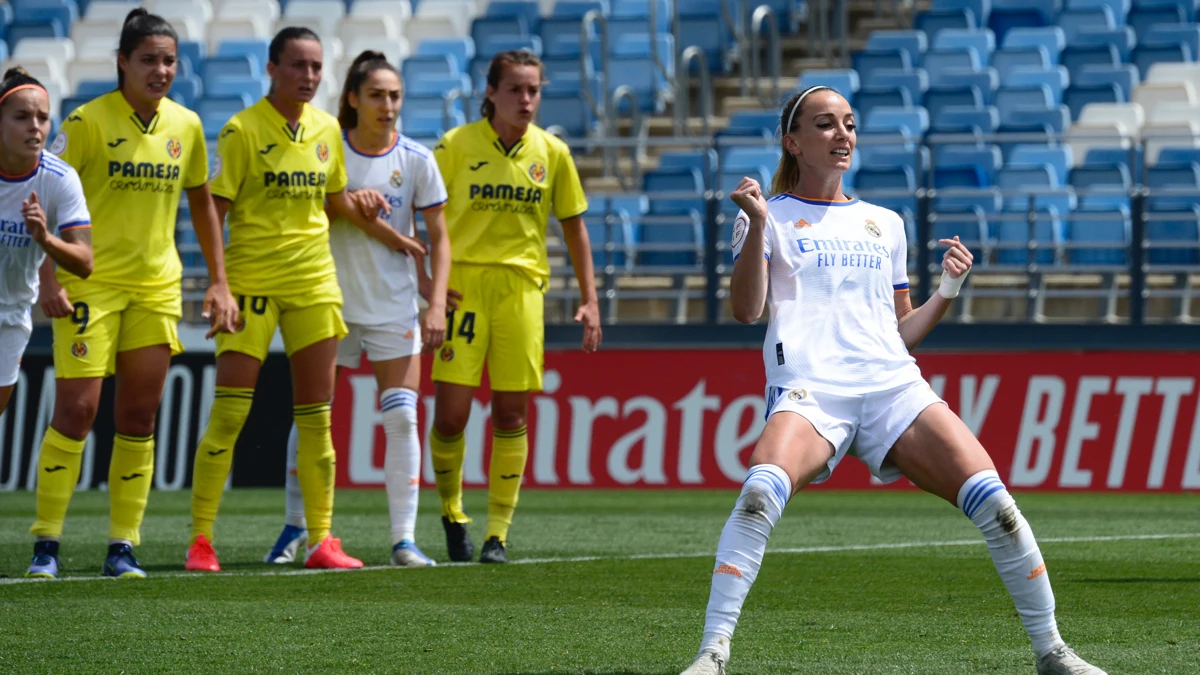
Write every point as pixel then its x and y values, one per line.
pixel 109 320
pixel 301 322
pixel 500 320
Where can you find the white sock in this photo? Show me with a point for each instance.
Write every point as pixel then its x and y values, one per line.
pixel 295 499
pixel 402 461
pixel 740 552
pixel 1015 553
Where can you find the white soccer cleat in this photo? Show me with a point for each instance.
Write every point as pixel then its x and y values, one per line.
pixel 1064 661
pixel 289 543
pixel 708 663
pixel 406 554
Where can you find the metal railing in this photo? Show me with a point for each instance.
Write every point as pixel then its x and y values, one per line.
pixel 763 14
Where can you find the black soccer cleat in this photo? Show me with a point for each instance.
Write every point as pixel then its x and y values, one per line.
pixel 493 551
pixel 458 541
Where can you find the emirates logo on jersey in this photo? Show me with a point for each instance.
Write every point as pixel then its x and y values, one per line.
pixel 397 179
pixel 323 151
pixel 873 229
pixel 174 148
pixel 537 171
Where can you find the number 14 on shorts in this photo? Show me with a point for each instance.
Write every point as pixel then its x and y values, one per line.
pixel 466 329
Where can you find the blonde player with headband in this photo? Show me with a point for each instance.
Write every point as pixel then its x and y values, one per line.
pixel 136 152
pixel 42 213
pixel 844 273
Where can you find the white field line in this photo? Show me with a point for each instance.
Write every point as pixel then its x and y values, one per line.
pixel 290 572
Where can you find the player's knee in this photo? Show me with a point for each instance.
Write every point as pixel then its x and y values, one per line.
pixel 136 420
pixel 73 416
pixel 508 420
pixel 450 423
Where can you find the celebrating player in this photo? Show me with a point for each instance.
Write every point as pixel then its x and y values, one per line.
pixel 280 159
pixel 839 373
pixel 39 195
pixel 505 176
pixel 135 151
pixel 380 284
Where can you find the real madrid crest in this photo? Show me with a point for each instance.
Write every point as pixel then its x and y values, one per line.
pixel 397 179
pixel 797 395
pixel 873 229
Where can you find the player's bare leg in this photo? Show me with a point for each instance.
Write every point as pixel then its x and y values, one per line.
pixel 940 455
pixel 452 410
pixel 789 455
pixel 59 461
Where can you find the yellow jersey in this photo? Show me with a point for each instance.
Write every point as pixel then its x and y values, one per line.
pixel 133 174
pixel 277 179
pixel 500 199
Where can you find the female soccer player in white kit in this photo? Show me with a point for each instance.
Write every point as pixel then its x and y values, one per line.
pixel 378 273
pixel 40 195
pixel 840 378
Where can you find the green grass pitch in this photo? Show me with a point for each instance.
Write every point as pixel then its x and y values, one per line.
pixel 615 582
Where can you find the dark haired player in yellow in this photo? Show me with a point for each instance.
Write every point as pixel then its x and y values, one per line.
pixel 280 160
pixel 505 177
pixel 136 151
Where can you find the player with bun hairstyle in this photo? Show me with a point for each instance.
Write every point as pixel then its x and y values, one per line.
pixel 136 152
pixel 834 267
pixel 281 166
pixel 44 214
pixel 380 273
pixel 505 177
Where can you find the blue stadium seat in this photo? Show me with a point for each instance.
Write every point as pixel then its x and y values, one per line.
pixel 524 9
pixel 752 123
pixel 92 88
pixel 187 89
pixel 1145 56
pixel 673 242
pixel 512 27
pixel 986 199
pixel 916 81
pixel 969 224
pixel 1179 155
pixel 982 41
pixel 462 50
pixel 867 61
pixel 1094 18
pixel 912 41
pixel 1125 77
pixel 417 123
pixel 1130 158
pixel 912 122
pixel 701 24
pixel 1121 37
pixel 939 98
pixel 1009 99
pixel 987 81
pixel 254 87
pixel 1012 236
pixel 611 232
pixel 215 112
pixel 965 176
pixel 41 29
pixel 561 38
pixel 193 52
pixel 939 62
pixel 1141 19
pixel 984 156
pixel 1008 60
pixel 1075 98
pixel 1173 186
pixel 1187 34
pixel 566 110
pixel 1055 77
pixel 1173 238
pixel 869 99
pixel 706 161
pixel 935 21
pixel 893 178
pixel 1077 58
pixel 63 12
pixel 255 49
pixel 1104 177
pixel 229 66
pixel 1107 229
pixel 980 9
pixel 1058 158
pixel 1004 20
pixel 843 81
pixel 490 45
pixel 1118 8
pixel 1026 177
pixel 1052 38
pixel 957 118
pixel 1056 118
pixel 576 9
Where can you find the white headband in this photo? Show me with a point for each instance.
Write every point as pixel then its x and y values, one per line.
pixel 797 106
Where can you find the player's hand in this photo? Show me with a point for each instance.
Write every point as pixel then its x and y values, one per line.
pixel 35 218
pixel 589 316
pixel 433 327
pixel 425 289
pixel 220 309
pixel 958 259
pixel 409 245
pixel 749 198
pixel 53 299
pixel 371 202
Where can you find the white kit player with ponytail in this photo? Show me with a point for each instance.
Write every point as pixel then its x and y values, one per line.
pixel 381 272
pixel 840 379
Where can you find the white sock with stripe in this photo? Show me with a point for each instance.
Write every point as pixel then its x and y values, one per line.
pixel 402 461
pixel 740 552
pixel 985 500
pixel 295 499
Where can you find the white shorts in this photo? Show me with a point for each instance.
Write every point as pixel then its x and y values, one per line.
pixel 13 340
pixel 383 343
pixel 863 425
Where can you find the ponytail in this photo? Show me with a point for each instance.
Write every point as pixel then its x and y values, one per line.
pixel 364 64
pixel 17 78
pixel 787 174
pixel 139 25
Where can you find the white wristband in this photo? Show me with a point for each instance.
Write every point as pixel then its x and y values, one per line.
pixel 949 286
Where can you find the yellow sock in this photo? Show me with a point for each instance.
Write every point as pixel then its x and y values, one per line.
pixel 59 462
pixel 214 456
pixel 447 454
pixel 315 466
pixel 129 474
pixel 510 449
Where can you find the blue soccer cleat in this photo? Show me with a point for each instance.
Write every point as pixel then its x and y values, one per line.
pixel 45 561
pixel 290 541
pixel 121 564
pixel 406 554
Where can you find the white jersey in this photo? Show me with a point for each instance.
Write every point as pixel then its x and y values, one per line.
pixel 833 270
pixel 380 285
pixel 61 196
